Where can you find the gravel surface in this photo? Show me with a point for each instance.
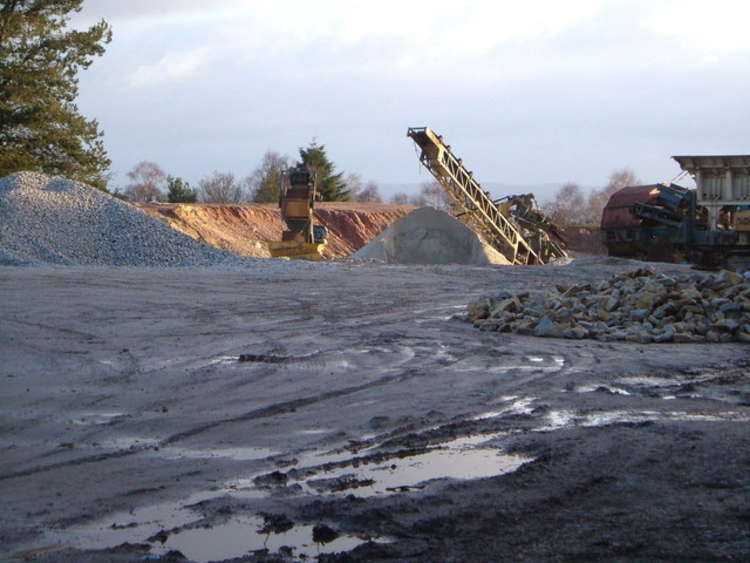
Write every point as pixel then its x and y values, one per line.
pixel 132 429
pixel 52 220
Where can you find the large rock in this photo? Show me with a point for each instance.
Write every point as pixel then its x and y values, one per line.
pixel 639 306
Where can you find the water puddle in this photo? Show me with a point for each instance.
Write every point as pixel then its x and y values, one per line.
pixel 558 419
pixel 604 418
pixel 221 360
pixel 244 535
pixel 518 406
pixel 167 527
pixel 601 387
pixel 438 313
pixel 556 361
pixel 461 458
pixel 549 363
pixel 562 418
pixel 176 526
pixel 87 418
pixel 646 381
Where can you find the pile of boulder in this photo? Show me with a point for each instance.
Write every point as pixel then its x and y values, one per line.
pixel 638 306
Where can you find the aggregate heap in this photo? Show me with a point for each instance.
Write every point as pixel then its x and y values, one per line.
pixel 638 306
pixel 429 236
pixel 53 220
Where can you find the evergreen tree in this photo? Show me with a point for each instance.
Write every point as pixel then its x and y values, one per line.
pixel 330 186
pixel 40 127
pixel 180 191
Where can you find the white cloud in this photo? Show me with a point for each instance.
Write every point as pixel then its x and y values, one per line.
pixel 720 25
pixel 170 67
pixel 425 32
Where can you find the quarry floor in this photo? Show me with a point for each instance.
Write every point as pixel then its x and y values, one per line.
pixel 367 422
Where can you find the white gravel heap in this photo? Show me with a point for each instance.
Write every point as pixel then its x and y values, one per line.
pixel 52 220
pixel 429 236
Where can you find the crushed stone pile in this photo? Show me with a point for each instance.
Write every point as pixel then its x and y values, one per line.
pixel 637 306
pixel 52 220
pixel 429 236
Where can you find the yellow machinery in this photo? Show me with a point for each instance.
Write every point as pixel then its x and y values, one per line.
pixel 302 239
pixel 519 237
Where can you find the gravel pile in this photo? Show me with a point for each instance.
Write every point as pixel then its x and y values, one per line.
pixel 52 220
pixel 638 306
pixel 429 236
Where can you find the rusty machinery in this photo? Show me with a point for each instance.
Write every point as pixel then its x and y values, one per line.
pixel 709 226
pixel 513 225
pixel 302 237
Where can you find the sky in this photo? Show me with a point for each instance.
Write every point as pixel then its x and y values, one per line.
pixel 533 92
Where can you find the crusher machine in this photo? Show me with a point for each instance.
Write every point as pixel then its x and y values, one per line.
pixel 303 238
pixel 512 225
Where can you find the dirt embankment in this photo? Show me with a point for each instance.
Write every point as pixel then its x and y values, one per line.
pixel 246 228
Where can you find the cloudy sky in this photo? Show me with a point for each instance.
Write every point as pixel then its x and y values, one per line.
pixel 526 92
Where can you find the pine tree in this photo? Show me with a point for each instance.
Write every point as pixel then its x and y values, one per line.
pixel 40 127
pixel 330 186
pixel 180 191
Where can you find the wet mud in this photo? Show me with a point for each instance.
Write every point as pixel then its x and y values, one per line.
pixel 367 422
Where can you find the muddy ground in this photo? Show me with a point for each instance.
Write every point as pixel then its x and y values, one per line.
pixel 366 422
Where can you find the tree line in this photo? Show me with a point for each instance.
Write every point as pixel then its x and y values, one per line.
pixel 149 182
pixel 42 130
pixel 571 205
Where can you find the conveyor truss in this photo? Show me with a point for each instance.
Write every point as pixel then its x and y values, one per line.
pixel 478 209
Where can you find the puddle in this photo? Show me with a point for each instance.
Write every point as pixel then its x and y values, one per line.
pixel 558 419
pixel 604 418
pixel 239 454
pixel 452 309
pixel 234 538
pixel 539 363
pixel 647 381
pixel 600 387
pixel 86 418
pixel 519 406
pixel 467 457
pixel 221 360
pixel 458 459
pixel 241 536
pixel 561 418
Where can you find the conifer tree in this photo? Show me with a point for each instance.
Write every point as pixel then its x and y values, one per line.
pixel 329 185
pixel 180 191
pixel 40 127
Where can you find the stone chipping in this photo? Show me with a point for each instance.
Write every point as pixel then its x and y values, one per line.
pixel 637 306
pixel 52 220
pixel 430 236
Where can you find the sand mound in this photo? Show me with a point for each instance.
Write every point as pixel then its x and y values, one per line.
pixel 51 220
pixel 428 236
